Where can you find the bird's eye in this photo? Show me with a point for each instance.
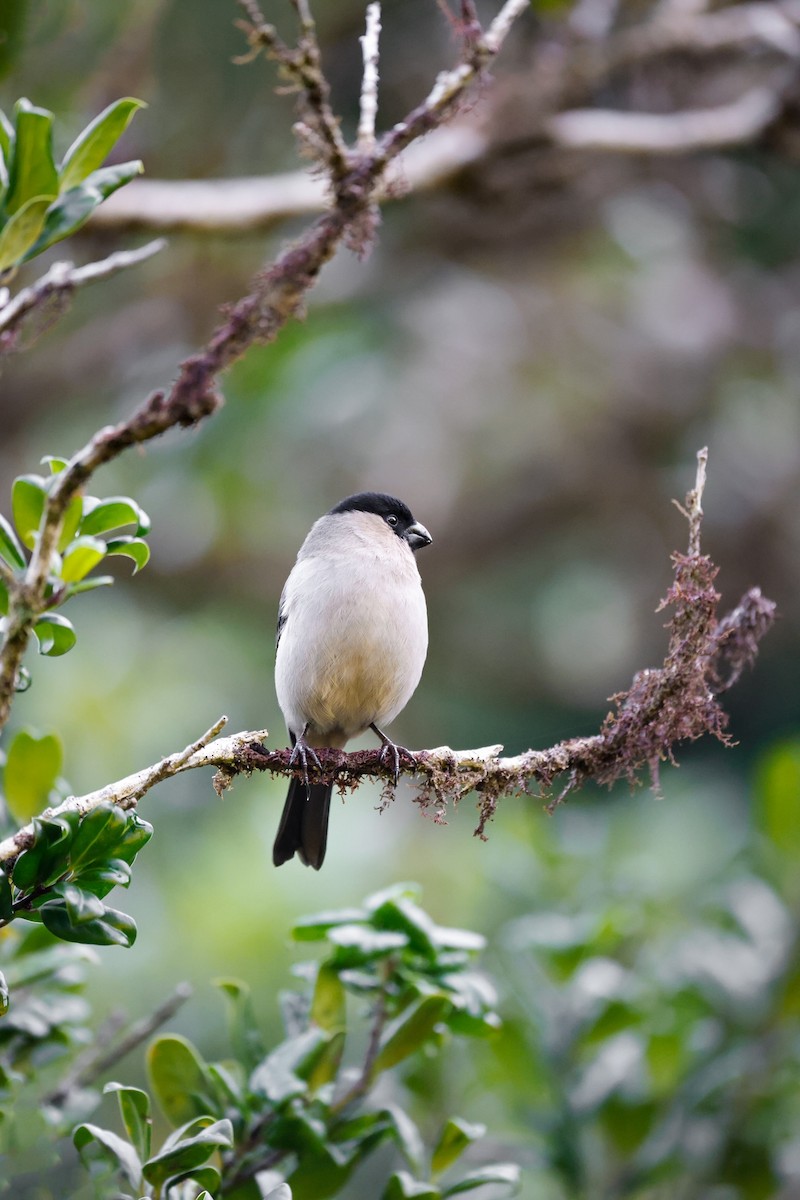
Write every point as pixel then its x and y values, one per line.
pixel 391 520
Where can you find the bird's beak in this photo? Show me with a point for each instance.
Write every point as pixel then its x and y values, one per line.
pixel 417 536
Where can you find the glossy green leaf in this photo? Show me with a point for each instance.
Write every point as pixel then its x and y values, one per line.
pixel 402 1186
pixel 181 1155
pixel 328 1004
pixel 247 1042
pixel 47 858
pixel 3 995
pixel 137 834
pixel 54 462
pixel 407 1136
pixel 101 880
pixel 73 208
pixel 453 1141
pixel 54 634
pixel 281 1192
pixel 81 557
pixel 32 766
pixel 80 916
pixel 95 1144
pixel 10 549
pixel 317 927
pixel 178 1079
pixel 99 834
pixel 114 513
pixel 93 145
pixel 28 498
pixel 402 915
pixel 22 231
pixel 6 898
pixel 133 548
pixel 356 945
pixel 32 171
pixel 411 1030
pixel 506 1174
pixel 6 139
pixel 282 1074
pixel 134 1107
pixel 88 585
pixel 72 519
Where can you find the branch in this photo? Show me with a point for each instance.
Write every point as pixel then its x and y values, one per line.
pixel 369 86
pixel 664 706
pixel 58 284
pixel 565 89
pixel 277 295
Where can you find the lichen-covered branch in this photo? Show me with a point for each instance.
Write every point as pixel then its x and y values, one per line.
pixel 664 706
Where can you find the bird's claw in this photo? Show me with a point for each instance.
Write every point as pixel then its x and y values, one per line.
pixel 392 751
pixel 302 751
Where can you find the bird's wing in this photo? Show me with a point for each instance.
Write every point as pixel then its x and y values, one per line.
pixel 281 618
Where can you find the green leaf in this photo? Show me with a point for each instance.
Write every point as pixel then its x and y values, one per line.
pixel 114 513
pixel 32 171
pixel 10 549
pixel 507 1174
pixel 247 1042
pixel 101 880
pixel 453 1141
pixel 134 1107
pixel 407 1136
pixel 282 1074
pixel 403 1186
pixel 33 765
pixel 54 462
pixel 28 498
pixel 178 1078
pixel 777 793
pixel 404 916
pixel 95 1144
pixel 22 231
pixel 356 945
pixel 72 519
pixel 47 858
pixel 411 1030
pixel 99 834
pixel 80 916
pixel 88 585
pixel 328 1005
pixel 137 835
pixel 6 137
pixel 3 995
pixel 317 927
pixel 72 209
pixel 6 898
pixel 182 1155
pixel 131 547
pixel 93 145
pixel 81 557
pixel 54 634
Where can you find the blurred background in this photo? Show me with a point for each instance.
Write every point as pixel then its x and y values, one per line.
pixel 530 357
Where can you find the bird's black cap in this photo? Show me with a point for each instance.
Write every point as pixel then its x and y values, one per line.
pixel 375 502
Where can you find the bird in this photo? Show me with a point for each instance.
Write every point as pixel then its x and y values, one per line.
pixel 351 644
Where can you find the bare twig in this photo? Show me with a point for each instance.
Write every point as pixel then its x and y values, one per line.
pixel 369 85
pixel 99 1057
pixel 60 281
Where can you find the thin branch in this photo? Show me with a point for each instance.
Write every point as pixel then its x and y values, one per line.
pixel 60 282
pixel 368 109
pixel 100 1058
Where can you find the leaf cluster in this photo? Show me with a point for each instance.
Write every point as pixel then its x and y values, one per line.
pixel 41 201
pixel 91 534
pixel 71 864
pixel 297 1120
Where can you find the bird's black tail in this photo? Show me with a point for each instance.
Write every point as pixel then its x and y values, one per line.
pixel 304 824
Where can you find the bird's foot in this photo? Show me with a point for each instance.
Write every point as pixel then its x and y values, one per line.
pixel 304 752
pixel 392 753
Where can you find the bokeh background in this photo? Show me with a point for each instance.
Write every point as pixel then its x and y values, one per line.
pixel 531 359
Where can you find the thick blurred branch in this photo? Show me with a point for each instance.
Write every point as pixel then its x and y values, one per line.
pixel 664 706
pixel 566 77
pixel 277 295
